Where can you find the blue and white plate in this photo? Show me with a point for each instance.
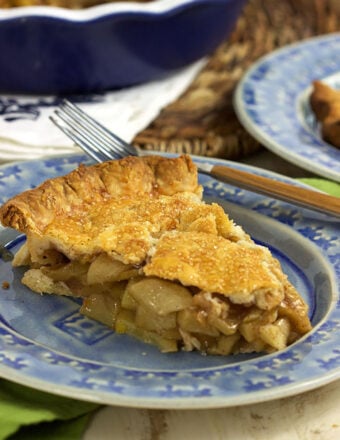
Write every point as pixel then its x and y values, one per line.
pixel 271 102
pixel 46 344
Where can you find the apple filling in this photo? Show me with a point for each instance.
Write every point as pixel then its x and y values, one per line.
pixel 163 312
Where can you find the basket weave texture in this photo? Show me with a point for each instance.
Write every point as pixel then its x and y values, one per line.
pixel 202 121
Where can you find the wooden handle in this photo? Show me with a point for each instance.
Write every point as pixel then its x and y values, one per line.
pixel 297 195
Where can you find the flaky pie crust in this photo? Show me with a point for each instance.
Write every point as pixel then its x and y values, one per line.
pixel 148 214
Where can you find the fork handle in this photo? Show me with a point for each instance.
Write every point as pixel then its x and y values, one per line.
pixel 303 197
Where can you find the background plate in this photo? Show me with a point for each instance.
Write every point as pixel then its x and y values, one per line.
pixel 46 344
pixel 272 104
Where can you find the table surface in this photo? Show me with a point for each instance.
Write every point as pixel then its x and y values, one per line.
pixel 313 415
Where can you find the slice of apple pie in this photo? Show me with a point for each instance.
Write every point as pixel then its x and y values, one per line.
pixel 149 258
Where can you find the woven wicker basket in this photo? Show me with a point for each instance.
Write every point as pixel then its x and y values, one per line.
pixel 202 121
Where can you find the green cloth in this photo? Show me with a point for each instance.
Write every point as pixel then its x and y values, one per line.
pixel 327 186
pixel 27 414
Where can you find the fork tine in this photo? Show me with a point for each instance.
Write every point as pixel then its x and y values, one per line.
pixel 81 132
pixel 71 134
pixel 82 141
pixel 110 149
pixel 107 139
pixel 107 146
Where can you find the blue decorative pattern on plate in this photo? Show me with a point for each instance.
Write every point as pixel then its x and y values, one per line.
pixel 45 343
pixel 271 101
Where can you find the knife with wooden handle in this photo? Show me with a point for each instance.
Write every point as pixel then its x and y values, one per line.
pixel 297 195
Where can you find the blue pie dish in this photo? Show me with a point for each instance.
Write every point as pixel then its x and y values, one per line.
pixel 49 50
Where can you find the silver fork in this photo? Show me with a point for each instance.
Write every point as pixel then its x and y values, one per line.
pixel 101 144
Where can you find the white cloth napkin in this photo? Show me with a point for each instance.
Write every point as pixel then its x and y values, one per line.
pixel 26 131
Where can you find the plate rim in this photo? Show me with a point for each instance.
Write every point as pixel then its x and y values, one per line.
pixel 175 403
pixel 256 130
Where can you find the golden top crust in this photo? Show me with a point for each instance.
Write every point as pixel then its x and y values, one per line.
pixel 119 208
pixel 129 232
pixel 148 212
pixel 242 270
pixel 128 179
